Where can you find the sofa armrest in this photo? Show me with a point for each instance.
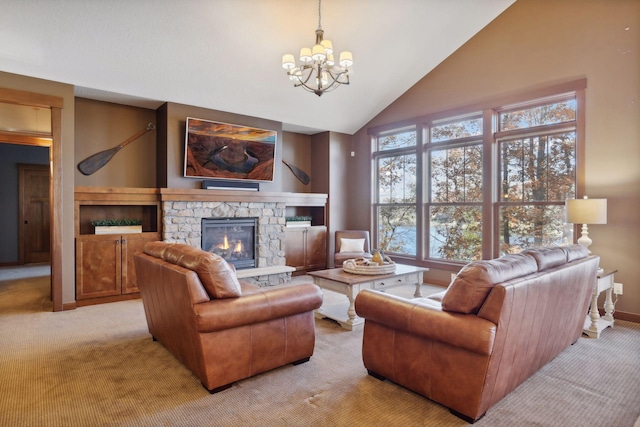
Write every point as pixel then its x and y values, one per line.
pixel 260 306
pixel 426 319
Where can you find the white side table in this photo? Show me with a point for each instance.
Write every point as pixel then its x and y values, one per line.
pixel 594 324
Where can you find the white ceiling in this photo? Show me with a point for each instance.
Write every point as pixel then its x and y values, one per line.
pixel 225 54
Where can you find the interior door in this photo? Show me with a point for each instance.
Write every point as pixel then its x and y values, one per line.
pixel 34 215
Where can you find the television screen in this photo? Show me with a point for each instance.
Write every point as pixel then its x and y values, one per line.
pixel 216 150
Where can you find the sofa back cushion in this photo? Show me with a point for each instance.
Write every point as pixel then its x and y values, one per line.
pixel 575 252
pixel 547 257
pixel 216 275
pixel 470 288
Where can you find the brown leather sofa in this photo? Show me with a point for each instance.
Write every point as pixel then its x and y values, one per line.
pixel 498 322
pixel 222 329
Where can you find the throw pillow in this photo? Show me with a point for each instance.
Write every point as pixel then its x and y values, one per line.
pixel 351 245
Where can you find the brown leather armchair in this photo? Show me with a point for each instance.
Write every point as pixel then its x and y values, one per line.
pixel 355 245
pixel 222 329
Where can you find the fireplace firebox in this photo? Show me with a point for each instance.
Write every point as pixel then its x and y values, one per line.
pixel 234 239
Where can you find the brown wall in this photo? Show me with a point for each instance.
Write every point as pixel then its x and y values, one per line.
pixel 296 150
pixel 330 175
pixel 533 44
pixel 173 117
pixel 102 125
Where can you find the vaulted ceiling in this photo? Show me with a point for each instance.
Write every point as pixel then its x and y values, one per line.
pixel 225 54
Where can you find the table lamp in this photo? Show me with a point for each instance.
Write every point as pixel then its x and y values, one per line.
pixel 586 211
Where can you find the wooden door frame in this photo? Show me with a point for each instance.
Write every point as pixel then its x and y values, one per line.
pixel 54 142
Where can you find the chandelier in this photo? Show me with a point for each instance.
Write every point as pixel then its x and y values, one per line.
pixel 318 72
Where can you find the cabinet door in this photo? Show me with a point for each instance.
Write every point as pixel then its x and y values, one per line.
pixel 98 266
pixel 295 247
pixel 316 247
pixel 132 243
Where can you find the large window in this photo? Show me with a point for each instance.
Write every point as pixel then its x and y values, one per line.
pixel 396 192
pixel 537 170
pixel 455 190
pixel 478 184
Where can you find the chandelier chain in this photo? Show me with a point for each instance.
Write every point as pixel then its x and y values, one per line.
pixel 319 14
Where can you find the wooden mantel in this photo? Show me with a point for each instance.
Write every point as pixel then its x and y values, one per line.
pixel 291 199
pixel 102 194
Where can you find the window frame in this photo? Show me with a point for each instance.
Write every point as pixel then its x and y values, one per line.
pixel 376 203
pixel 489 111
pixel 429 147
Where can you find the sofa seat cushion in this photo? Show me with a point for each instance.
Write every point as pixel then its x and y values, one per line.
pixel 216 275
pixel 470 288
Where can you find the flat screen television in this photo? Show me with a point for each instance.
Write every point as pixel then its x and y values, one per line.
pixel 215 150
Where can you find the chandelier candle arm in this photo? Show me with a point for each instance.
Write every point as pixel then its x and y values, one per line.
pixel 318 72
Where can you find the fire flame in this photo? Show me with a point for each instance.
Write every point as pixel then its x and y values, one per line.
pixel 225 243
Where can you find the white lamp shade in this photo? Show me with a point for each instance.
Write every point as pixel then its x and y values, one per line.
pixel 328 46
pixel 586 211
pixel 346 59
pixel 288 62
pixel 294 74
pixel 305 55
pixel 318 53
pixel 330 61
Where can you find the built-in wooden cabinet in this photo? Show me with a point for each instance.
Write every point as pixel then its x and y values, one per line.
pixel 306 246
pixel 104 264
pixel 105 269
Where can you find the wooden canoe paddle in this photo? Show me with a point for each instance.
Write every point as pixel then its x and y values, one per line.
pixel 92 163
pixel 299 173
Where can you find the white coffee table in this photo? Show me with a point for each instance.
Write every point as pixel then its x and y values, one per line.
pixel 349 284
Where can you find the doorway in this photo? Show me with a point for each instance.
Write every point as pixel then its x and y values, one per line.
pixel 52 140
pixel 34 237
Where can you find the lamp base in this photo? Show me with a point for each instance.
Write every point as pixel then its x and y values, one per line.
pixel 584 239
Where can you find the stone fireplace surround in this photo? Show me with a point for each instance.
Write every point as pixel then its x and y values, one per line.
pixel 183 210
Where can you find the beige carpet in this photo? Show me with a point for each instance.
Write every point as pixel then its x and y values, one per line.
pixel 97 366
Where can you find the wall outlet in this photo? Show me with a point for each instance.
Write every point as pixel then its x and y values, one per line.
pixel 617 288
